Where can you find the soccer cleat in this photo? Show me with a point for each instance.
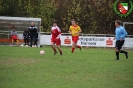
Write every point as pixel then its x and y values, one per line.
pixel 69 52
pixel 116 59
pixel 55 53
pixel 80 49
pixel 61 54
pixel 126 55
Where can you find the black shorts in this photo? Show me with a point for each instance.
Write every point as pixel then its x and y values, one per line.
pixel 119 44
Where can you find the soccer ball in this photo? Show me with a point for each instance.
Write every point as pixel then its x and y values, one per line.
pixel 42 52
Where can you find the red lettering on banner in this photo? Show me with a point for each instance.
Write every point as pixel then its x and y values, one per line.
pixel 109 42
pixel 67 41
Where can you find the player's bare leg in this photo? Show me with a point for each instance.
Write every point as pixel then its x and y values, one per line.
pixel 17 42
pixel 58 47
pixel 54 49
pixel 12 41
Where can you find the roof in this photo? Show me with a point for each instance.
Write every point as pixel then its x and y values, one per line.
pixel 19 18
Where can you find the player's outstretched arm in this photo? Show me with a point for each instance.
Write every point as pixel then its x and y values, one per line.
pixel 59 33
pixel 80 31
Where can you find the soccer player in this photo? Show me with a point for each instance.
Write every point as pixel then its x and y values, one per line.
pixel 55 38
pixel 120 39
pixel 74 30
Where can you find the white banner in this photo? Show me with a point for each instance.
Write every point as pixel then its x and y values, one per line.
pixel 87 41
pixel 45 39
pixel 97 41
pixel 128 42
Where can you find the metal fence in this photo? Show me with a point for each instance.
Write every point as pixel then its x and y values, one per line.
pixel 83 34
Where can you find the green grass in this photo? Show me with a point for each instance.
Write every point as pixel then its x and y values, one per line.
pixel 22 67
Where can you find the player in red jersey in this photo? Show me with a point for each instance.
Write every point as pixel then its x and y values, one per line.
pixel 74 30
pixel 55 38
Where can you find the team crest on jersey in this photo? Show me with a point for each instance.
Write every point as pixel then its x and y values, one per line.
pixel 123 8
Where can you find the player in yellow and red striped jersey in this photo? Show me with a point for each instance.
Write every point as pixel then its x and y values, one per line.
pixel 75 30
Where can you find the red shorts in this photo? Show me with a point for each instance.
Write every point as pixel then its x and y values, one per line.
pixel 75 39
pixel 56 41
pixel 15 37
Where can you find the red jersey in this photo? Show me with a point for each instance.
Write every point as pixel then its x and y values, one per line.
pixel 55 32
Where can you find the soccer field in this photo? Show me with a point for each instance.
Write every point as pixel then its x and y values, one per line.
pixel 22 67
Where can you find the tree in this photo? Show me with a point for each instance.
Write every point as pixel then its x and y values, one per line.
pixel 94 16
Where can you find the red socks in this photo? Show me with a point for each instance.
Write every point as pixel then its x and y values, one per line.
pixel 60 51
pixel 78 46
pixel 73 50
pixel 54 50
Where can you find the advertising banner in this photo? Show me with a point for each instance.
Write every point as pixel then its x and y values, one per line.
pixel 87 41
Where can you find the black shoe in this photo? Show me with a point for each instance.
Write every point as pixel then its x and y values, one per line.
pixel 61 54
pixel 126 55
pixel 55 53
pixel 116 59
